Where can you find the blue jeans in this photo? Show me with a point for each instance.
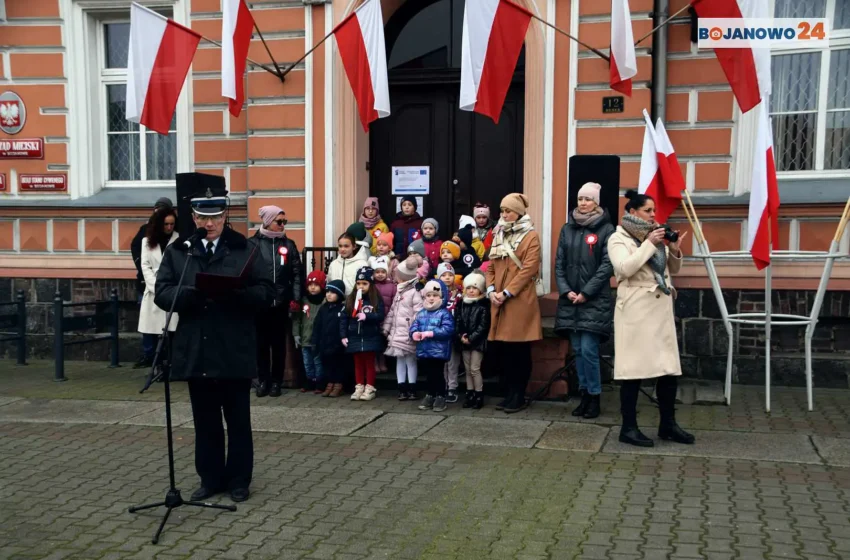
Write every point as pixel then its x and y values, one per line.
pixel 312 364
pixel 586 346
pixel 148 340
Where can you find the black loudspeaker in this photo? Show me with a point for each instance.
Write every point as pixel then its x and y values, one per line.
pixel 189 184
pixel 604 170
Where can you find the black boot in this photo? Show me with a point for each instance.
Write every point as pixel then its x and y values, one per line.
pixel 275 389
pixel 479 400
pixel 263 389
pixel 470 399
pixel 505 401
pixel 411 391
pixel 516 404
pixel 629 432
pixel 665 389
pixel 402 391
pixel 582 406
pixel 592 410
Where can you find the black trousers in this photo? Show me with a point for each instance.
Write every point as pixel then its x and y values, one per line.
pixel 272 330
pixel 210 398
pixel 665 391
pixel 512 361
pixel 432 370
pixel 334 367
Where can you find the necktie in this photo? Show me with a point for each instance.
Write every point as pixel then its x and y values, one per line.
pixel 210 248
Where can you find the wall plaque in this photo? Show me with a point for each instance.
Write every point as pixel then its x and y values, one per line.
pixel 13 112
pixel 615 104
pixel 51 183
pixel 24 148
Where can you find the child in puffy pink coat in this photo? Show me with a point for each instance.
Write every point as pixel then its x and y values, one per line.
pixel 406 304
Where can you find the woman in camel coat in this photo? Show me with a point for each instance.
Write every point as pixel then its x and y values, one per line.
pixel 514 309
pixel 645 345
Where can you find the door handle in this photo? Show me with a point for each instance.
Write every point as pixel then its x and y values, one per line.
pixel 454 182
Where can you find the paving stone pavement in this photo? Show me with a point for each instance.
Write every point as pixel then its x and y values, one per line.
pixel 388 491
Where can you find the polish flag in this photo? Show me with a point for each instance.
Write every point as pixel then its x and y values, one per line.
pixel 741 66
pixel 360 38
pixel 763 219
pixel 660 174
pixel 493 34
pixel 160 54
pixel 236 28
pixel 623 65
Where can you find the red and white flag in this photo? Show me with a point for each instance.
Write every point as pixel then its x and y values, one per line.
pixel 742 67
pixel 360 38
pixel 660 174
pixel 493 34
pixel 236 28
pixel 623 66
pixel 159 57
pixel 763 219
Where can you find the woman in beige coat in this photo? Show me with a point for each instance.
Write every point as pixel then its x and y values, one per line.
pixel 159 235
pixel 645 345
pixel 514 309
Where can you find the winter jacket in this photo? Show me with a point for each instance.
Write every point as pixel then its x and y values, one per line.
pixel 582 266
pixel 406 304
pixel 375 233
pixel 216 338
pixel 364 336
pixel 473 320
pixel 346 269
pixel 441 323
pixel 281 262
pixel 387 290
pixel 136 252
pixel 405 230
pixel 326 337
pixel 432 252
pixel 467 262
pixel 303 322
pixel 151 317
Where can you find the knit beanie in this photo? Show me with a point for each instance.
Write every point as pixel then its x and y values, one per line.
pixel 387 238
pixel 163 202
pixel 480 209
pixel 380 263
pixel 417 247
pixel 465 235
pixel 406 270
pixel 451 247
pixel 591 191
pixel 317 277
pixel 475 279
pixel 269 213
pixel 365 273
pixel 337 287
pixel 358 230
pixel 410 199
pixel 433 222
pixel 433 286
pixel 515 202
pixel 465 221
pixel 443 268
pixel 372 202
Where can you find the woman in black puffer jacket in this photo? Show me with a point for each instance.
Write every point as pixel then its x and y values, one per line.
pixel 583 273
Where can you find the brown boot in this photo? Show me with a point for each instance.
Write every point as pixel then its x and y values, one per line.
pixel 328 390
pixel 337 391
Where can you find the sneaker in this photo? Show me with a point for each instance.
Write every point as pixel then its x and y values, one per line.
pixel 451 396
pixel 275 390
pixel 369 393
pixel 262 389
pixel 439 404
pixel 358 392
pixel 427 403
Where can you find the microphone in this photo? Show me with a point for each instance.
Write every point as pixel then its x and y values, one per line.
pixel 199 234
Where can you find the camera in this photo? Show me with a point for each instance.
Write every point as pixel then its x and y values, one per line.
pixel 669 234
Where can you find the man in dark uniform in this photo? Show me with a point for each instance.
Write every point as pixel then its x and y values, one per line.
pixel 214 347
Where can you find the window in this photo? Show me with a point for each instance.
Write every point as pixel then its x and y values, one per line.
pixel 134 154
pixel 810 102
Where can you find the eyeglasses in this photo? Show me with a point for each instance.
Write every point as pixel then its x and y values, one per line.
pixel 281 223
pixel 204 219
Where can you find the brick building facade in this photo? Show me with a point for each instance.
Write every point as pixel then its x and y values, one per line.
pixel 298 144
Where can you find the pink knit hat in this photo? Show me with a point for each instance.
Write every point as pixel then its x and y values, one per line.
pixel 269 213
pixel 591 191
pixel 372 202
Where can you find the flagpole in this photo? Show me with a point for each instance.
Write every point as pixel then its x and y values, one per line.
pixel 666 21
pixel 562 32
pixel 306 54
pixel 254 62
pixel 842 223
pixel 268 50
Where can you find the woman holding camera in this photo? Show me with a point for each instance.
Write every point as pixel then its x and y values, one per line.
pixel 644 255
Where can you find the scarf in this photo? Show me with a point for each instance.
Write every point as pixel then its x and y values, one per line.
pixel 470 300
pixel 316 299
pixel 639 229
pixel 370 222
pixel 272 234
pixel 590 219
pixel 509 234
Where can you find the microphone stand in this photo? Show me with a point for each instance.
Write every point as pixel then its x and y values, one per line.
pixel 173 499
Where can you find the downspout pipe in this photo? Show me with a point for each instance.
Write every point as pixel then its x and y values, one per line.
pixel 660 13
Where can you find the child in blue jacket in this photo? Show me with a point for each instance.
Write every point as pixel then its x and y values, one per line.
pixel 360 331
pixel 433 331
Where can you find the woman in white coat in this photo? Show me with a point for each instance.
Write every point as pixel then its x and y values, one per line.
pixel 160 234
pixel 645 345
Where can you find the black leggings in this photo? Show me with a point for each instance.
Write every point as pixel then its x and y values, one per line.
pixel 334 367
pixel 512 361
pixel 665 390
pixel 272 330
pixel 432 370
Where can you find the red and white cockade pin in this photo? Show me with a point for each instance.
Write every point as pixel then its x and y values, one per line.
pixel 376 234
pixel 591 239
pixel 283 251
pixel 306 310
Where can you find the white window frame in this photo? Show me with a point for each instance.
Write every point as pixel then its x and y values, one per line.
pixel 86 95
